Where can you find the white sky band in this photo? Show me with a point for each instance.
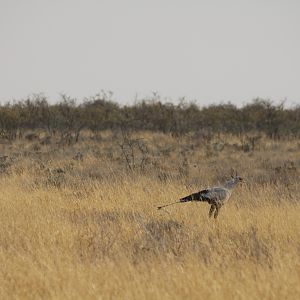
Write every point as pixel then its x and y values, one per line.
pixel 209 51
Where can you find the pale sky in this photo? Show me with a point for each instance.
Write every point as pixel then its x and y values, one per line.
pixel 204 50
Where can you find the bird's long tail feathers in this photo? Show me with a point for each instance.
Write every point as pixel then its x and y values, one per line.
pixel 199 196
pixel 162 206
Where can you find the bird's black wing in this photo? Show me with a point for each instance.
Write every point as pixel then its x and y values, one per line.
pixel 199 196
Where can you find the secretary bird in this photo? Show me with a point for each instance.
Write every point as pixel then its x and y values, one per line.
pixel 215 196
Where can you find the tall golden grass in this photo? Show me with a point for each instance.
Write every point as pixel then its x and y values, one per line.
pixel 89 229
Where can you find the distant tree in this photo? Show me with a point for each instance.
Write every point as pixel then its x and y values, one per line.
pixel 68 117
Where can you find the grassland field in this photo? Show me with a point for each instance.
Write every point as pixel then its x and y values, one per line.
pixel 79 220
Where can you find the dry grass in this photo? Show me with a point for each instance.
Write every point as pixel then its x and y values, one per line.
pixel 87 229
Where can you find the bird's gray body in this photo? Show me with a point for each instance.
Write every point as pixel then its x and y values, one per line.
pixel 215 196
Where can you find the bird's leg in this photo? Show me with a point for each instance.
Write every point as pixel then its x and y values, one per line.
pixel 212 208
pixel 217 211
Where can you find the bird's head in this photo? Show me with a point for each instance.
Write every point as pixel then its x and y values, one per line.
pixel 236 178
